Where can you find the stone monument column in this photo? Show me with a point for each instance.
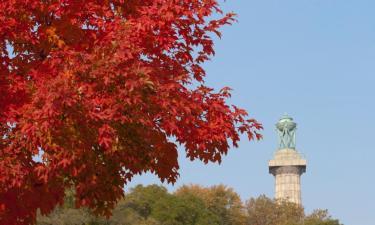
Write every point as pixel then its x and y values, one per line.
pixel 288 165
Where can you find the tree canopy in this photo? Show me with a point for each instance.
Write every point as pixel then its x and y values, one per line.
pixel 189 205
pixel 94 92
pixel 222 201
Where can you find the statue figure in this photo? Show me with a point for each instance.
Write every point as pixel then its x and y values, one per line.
pixel 286 130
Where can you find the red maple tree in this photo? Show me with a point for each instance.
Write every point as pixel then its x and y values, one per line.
pixel 102 90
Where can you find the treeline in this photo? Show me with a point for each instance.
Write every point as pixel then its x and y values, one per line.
pixel 189 205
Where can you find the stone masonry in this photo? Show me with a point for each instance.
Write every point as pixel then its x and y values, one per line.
pixel 287 167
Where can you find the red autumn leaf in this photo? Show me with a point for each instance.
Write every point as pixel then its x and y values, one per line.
pixel 103 87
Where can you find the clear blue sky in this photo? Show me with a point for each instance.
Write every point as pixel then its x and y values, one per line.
pixel 314 59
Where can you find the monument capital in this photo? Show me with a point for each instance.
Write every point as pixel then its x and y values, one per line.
pixel 286 131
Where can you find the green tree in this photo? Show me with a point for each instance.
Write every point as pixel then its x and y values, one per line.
pixel 189 205
pixel 183 210
pixel 220 200
pixel 143 199
pixel 155 203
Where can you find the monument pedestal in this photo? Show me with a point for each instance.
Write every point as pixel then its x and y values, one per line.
pixel 287 167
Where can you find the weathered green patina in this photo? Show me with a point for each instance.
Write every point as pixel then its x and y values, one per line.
pixel 286 130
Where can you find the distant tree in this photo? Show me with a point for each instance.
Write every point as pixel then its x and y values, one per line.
pixel 320 217
pixel 150 205
pixel 189 205
pixel 183 210
pixel 155 203
pixel 143 199
pixel 133 210
pixel 220 200
pixel 266 211
pixel 68 214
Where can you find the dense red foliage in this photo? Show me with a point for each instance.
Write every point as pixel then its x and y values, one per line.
pixel 102 90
